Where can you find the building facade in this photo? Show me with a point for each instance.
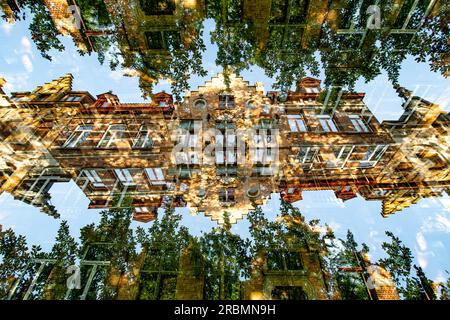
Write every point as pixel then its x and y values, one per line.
pixel 223 149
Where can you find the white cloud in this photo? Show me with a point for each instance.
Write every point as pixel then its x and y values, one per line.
pixel 373 234
pixel 444 222
pixel 7 28
pixel 16 81
pixel 439 223
pixel 27 64
pixel 26 45
pixel 116 75
pixel 421 241
pixel 423 262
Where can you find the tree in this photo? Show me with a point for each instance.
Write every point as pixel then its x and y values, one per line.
pixel 399 263
pixel 347 255
pixel 227 262
pixel 162 245
pixel 64 252
pixel 14 257
pixel 111 240
pixel 17 267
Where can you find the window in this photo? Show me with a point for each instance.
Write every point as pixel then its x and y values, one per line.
pixel 251 104
pixel 372 155
pixel 327 123
pixel 143 140
pixel 160 7
pixel 264 145
pixel 79 136
pixel 358 123
pixel 226 148
pixel 155 176
pixel 288 293
pixel 155 40
pixel 200 104
pixel 124 177
pixel 43 96
pixel 284 260
pixel 308 154
pixel 267 124
pixel 312 90
pixel 297 123
pixel 226 101
pixel 163 104
pixel 142 210
pixel 114 133
pixel 93 178
pixel 72 98
pixel 18 98
pixel 226 170
pixel 342 154
pixel 226 195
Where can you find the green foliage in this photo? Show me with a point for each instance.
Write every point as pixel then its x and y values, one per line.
pixel 43 31
pixel 351 285
pixel 14 258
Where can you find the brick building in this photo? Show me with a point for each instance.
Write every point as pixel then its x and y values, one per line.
pixel 223 149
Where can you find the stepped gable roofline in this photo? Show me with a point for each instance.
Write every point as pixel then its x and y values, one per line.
pixel 63 83
pixel 308 82
pixel 353 95
pixel 219 76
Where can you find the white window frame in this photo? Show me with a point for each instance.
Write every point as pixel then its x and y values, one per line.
pixel 113 135
pixel 79 134
pixel 377 152
pixel 327 123
pixel 125 177
pixel 297 123
pixel 314 150
pixel 225 151
pixel 312 89
pixel 342 157
pixel 147 141
pixel 155 176
pixel 94 178
pixel 358 123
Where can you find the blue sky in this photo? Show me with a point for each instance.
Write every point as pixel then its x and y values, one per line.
pixel 425 227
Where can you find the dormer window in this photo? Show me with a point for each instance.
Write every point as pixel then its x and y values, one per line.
pixel 43 97
pixel 72 98
pixel 312 89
